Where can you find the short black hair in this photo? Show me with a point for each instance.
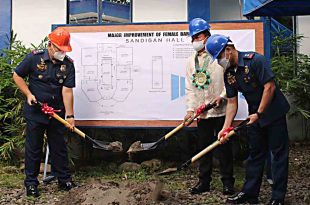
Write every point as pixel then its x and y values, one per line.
pixel 205 32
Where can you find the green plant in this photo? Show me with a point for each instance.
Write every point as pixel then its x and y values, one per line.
pixel 293 84
pixel 12 124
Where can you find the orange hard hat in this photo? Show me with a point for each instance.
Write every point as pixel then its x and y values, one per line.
pixel 60 37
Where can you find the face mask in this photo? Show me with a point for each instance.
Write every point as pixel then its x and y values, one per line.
pixel 59 55
pixel 224 62
pixel 198 45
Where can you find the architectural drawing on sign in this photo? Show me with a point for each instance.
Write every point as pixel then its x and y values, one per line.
pixel 157 72
pixel 107 73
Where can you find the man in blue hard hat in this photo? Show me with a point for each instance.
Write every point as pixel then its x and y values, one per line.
pixel 250 74
pixel 205 84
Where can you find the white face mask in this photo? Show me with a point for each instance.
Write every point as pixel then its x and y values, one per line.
pixel 59 55
pixel 198 45
pixel 224 62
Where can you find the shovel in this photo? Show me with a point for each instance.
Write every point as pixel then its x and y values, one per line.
pixel 97 144
pixel 154 145
pixel 232 131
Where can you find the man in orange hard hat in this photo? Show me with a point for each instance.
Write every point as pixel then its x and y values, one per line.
pixel 51 77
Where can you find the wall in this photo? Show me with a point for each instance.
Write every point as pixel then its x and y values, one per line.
pixel 32 19
pixel 303 27
pixel 159 10
pixel 225 10
pixel 177 10
pixel 295 123
pixel 5 25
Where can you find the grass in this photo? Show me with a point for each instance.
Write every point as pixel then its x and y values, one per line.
pixel 11 180
pixel 110 171
pixel 106 172
pixel 10 177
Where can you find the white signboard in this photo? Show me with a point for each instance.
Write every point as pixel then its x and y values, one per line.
pixel 137 75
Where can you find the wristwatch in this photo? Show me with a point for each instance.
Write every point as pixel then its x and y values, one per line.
pixel 69 116
pixel 259 114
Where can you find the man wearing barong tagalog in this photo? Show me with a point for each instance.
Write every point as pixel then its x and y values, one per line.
pixel 204 85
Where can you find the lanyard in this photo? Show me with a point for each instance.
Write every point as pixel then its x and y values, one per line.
pixel 205 63
pixel 201 78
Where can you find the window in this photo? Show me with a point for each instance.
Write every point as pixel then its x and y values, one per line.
pixel 86 11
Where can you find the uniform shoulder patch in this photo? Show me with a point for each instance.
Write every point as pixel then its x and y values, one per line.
pixel 70 59
pixel 249 55
pixel 35 52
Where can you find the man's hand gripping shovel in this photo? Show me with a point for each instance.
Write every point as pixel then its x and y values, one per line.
pixel 138 146
pixel 97 144
pixel 227 134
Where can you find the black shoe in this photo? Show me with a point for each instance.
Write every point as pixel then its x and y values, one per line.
pixel 228 190
pixel 32 190
pixel 200 188
pixel 276 202
pixel 66 186
pixel 242 198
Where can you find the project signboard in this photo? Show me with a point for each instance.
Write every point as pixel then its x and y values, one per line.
pixel 134 75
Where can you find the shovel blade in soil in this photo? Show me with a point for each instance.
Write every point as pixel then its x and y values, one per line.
pixel 138 147
pixel 108 146
pixel 168 171
pixel 148 146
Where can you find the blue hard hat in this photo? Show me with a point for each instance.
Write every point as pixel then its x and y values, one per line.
pixel 198 25
pixel 215 44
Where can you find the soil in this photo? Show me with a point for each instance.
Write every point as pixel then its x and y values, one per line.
pixel 135 147
pixel 170 189
pixel 116 146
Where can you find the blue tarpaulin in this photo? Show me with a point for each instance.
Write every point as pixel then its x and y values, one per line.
pixel 275 7
pixel 278 29
pixel 5 24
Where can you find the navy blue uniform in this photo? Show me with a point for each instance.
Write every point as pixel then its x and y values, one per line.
pixel 270 132
pixel 46 81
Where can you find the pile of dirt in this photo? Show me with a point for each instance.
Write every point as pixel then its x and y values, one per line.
pixel 135 147
pixel 101 192
pixel 116 146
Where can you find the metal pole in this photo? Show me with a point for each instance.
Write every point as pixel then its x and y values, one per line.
pixel 45 163
pixel 295 45
pixel 99 10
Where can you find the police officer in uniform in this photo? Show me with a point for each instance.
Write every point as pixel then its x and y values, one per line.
pixel 51 77
pixel 205 84
pixel 249 73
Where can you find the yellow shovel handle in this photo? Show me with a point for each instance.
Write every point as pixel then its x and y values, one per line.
pixel 210 147
pixel 172 132
pixel 76 130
